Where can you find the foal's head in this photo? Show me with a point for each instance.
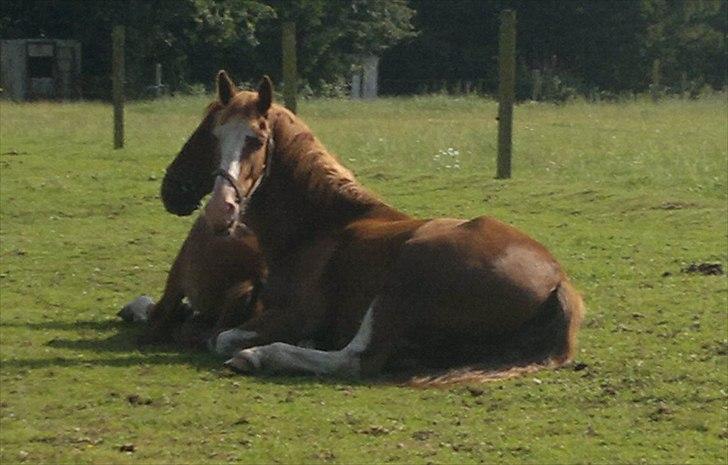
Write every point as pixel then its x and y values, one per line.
pixel 242 134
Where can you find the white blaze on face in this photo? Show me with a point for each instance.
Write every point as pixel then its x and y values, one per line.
pixel 231 138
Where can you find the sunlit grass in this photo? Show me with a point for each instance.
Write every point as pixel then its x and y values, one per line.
pixel 625 195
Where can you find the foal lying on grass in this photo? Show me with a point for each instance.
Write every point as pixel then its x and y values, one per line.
pixel 219 277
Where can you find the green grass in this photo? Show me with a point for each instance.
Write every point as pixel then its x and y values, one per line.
pixel 625 195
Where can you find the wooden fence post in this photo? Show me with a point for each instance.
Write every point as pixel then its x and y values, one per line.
pixel 506 91
pixel 290 78
pixel 118 85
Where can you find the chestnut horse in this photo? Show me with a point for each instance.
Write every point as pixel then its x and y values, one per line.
pixel 219 275
pixel 375 286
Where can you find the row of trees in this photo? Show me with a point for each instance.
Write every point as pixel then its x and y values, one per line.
pixel 425 45
pixel 584 45
pixel 194 38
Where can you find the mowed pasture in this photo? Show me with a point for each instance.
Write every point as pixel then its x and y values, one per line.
pixel 626 195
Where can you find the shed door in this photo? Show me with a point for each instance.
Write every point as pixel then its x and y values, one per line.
pixel 41 70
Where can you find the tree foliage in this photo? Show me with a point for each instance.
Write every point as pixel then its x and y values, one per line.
pixel 605 45
pixel 425 45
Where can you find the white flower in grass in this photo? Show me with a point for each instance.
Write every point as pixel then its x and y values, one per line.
pixel 450 157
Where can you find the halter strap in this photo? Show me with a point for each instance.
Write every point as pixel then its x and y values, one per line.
pixel 232 180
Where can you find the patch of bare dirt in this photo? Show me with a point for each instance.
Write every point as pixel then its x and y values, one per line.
pixel 706 269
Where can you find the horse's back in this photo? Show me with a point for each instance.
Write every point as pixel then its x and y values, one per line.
pixel 479 275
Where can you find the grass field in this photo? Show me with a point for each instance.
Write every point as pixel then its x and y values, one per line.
pixel 626 196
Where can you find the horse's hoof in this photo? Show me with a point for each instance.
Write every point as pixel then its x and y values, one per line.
pixel 244 362
pixel 232 340
pixel 137 311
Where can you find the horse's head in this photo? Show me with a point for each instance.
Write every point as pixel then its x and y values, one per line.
pixel 243 142
pixel 189 177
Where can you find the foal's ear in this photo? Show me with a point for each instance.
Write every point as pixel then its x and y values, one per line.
pixel 265 95
pixel 225 87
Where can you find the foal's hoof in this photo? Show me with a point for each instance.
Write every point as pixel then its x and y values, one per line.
pixel 137 311
pixel 244 362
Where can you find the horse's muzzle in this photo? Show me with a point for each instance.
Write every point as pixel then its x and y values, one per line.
pixel 180 198
pixel 222 210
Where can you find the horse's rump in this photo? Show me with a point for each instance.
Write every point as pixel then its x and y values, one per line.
pixel 546 340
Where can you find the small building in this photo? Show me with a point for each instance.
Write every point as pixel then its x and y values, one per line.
pixel 365 80
pixel 32 69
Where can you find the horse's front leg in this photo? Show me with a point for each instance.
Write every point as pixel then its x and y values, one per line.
pixel 273 325
pixel 366 354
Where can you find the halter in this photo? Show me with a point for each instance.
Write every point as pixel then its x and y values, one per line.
pixel 233 181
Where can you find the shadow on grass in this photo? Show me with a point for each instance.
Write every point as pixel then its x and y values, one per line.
pixel 205 363
pixel 103 325
pixel 138 359
pixel 120 342
pixel 124 341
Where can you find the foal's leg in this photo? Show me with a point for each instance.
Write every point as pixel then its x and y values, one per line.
pixel 170 312
pixel 137 311
pixel 364 355
pixel 241 304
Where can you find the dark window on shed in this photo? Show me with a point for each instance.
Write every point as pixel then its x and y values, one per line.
pixel 40 67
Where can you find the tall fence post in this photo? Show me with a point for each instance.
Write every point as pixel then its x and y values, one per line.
pixel 290 78
pixel 506 90
pixel 118 85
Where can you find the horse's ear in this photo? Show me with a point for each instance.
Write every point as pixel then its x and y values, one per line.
pixel 225 87
pixel 265 95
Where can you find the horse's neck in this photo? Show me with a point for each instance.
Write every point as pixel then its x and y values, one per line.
pixel 308 192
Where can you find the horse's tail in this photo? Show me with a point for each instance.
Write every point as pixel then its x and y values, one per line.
pixel 547 341
pixel 572 311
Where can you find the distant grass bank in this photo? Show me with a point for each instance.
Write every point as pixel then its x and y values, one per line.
pixel 626 195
